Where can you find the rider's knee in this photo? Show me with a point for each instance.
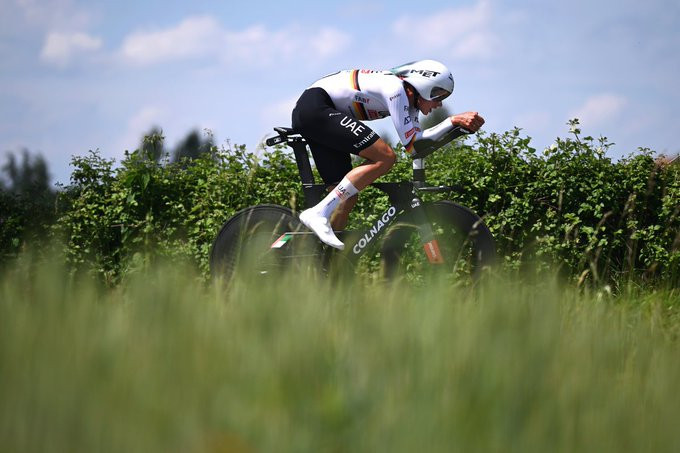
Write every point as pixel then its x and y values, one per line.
pixel 388 157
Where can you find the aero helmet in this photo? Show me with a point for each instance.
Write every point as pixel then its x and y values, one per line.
pixel 431 79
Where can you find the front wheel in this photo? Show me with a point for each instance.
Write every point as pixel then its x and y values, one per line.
pixel 465 242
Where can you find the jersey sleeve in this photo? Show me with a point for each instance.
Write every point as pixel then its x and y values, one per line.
pixel 405 118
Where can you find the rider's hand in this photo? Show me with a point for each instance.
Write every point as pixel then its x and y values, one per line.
pixel 468 120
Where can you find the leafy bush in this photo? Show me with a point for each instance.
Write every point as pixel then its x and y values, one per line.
pixel 116 220
pixel 26 204
pixel 569 205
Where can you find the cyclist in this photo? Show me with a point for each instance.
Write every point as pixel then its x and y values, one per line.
pixel 330 115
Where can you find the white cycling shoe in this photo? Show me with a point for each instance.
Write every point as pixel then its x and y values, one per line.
pixel 321 227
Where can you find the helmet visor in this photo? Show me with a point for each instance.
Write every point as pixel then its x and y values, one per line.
pixel 439 94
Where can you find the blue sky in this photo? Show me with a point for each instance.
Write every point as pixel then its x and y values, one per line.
pixel 79 75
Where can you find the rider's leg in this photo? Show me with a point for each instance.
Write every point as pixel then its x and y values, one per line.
pixel 340 217
pixel 380 159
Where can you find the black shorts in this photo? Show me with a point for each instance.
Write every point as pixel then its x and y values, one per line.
pixel 332 135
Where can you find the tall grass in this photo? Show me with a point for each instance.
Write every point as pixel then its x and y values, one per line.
pixel 165 363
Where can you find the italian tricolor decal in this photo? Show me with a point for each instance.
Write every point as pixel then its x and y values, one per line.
pixel 280 242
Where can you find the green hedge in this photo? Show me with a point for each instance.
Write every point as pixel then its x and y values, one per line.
pixel 568 206
pixel 115 220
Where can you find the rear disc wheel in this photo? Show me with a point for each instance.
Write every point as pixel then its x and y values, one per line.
pixel 244 245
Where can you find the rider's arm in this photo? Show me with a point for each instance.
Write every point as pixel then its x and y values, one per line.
pixel 449 129
pixel 439 132
pixel 437 136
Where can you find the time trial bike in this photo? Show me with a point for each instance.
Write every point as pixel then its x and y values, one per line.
pixel 411 238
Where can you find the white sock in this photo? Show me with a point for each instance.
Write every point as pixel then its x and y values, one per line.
pixel 344 190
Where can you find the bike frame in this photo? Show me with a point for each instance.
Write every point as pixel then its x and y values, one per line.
pixel 403 201
pixel 403 196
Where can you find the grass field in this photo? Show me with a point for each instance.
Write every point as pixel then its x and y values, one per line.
pixel 166 363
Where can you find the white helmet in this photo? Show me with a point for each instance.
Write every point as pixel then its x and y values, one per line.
pixel 431 79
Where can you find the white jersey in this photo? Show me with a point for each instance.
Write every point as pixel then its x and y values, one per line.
pixel 369 95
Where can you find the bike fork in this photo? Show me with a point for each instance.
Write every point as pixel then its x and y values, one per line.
pixel 430 244
pixel 427 237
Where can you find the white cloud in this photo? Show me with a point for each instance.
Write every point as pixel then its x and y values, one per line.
pixel 255 44
pixel 52 14
pixel 599 109
pixel 60 48
pixel 204 37
pixel 261 46
pixel 329 42
pixel 475 45
pixel 193 37
pixel 465 32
